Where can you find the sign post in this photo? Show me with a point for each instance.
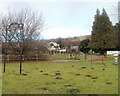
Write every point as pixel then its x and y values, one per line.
pixel 117 57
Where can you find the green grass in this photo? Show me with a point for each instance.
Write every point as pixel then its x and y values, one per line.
pixel 58 56
pixel 37 83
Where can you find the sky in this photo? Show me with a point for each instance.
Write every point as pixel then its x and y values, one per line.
pixel 65 18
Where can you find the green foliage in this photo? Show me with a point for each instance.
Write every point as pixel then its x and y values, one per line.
pixel 103 36
pixel 84 46
pixel 117 34
pixel 60 42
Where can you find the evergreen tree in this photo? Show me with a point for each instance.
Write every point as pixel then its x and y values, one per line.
pixel 103 37
pixel 117 34
pixel 97 12
pixel 84 46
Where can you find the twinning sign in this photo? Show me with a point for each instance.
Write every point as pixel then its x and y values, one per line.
pixel 117 57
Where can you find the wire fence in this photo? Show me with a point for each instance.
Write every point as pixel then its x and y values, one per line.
pixel 36 57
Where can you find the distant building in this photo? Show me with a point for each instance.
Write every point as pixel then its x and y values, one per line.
pixel 53 46
pixel 62 50
pixel 74 48
pixel 113 52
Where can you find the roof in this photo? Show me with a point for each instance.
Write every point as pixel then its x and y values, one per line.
pixel 54 43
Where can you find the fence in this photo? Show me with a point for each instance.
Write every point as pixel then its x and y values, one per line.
pixel 97 58
pixel 36 57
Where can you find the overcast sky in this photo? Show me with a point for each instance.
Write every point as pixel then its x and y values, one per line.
pixel 65 19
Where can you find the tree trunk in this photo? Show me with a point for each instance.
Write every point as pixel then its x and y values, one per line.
pixel 20 63
pixel 102 52
pixel 21 58
pixel 4 62
pixel 85 56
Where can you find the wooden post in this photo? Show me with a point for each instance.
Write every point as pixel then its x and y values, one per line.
pixel 4 62
pixel 85 56
pixel 102 61
pixel 91 60
pixel 8 57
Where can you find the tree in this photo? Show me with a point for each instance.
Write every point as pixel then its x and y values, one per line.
pixel 5 36
pixel 60 42
pixel 84 47
pixel 103 37
pixel 117 33
pixel 20 29
pixel 117 27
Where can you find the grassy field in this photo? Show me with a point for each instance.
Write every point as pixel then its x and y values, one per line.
pixel 76 77
pixel 66 57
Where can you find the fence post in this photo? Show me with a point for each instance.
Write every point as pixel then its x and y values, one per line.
pixel 36 57
pixel 91 60
pixel 8 57
pixel 23 57
pixel 102 61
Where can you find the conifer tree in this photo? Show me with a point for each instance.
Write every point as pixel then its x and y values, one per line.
pixel 103 37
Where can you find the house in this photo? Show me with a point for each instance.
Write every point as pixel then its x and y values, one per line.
pixel 62 50
pixel 113 52
pixel 53 46
pixel 74 48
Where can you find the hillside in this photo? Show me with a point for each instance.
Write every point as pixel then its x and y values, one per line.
pixel 67 41
pixel 78 38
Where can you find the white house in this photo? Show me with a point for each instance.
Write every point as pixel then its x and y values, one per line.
pixel 53 46
pixel 62 50
pixel 113 52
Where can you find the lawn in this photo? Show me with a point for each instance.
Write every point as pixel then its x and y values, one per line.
pixel 75 77
pixel 66 56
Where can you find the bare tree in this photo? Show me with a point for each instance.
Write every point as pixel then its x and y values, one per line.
pixel 4 35
pixel 19 29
